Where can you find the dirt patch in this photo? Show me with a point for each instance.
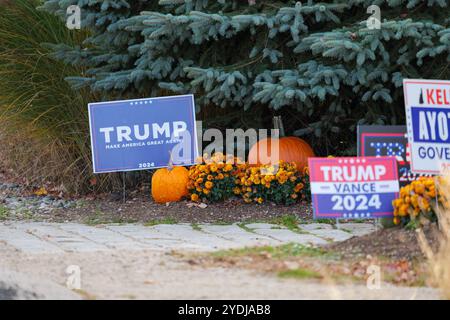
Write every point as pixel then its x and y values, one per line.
pixel 138 206
pixel 324 265
pixel 143 209
pixel 392 243
pixel 396 251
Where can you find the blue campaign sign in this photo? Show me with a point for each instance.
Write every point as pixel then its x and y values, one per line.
pixel 378 141
pixel 431 123
pixel 143 134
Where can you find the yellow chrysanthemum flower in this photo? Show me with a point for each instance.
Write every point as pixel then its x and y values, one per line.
pixel 403 210
pixel 209 185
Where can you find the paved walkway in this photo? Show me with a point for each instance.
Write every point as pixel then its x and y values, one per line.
pixel 133 261
pixel 39 237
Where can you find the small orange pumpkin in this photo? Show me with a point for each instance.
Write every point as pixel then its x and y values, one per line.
pixel 291 149
pixel 170 184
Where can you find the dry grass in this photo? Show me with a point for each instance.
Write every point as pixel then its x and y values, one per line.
pixel 38 159
pixel 440 261
pixel 44 131
pixel 43 122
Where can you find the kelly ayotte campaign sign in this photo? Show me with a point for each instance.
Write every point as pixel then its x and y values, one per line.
pixel 427 104
pixel 355 187
pixel 377 141
pixel 142 134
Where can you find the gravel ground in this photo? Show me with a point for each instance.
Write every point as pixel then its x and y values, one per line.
pixel 21 204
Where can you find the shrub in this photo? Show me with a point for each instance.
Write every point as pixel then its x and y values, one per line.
pixel 315 61
pixel 214 178
pixel 282 184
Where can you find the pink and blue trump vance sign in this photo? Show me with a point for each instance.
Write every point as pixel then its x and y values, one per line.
pixel 142 134
pixel 353 188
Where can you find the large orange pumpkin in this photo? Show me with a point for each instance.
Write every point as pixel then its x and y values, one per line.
pixel 291 149
pixel 170 184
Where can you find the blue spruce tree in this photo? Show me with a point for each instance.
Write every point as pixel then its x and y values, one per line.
pixel 318 63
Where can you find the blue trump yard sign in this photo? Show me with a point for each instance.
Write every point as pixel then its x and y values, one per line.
pixel 143 134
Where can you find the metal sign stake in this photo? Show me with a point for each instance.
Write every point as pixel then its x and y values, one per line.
pixel 124 192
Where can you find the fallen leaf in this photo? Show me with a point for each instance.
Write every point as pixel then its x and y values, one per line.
pixel 41 192
pixel 93 181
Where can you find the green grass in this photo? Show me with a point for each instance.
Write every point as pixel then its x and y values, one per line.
pixel 121 220
pixel 222 223
pixel 26 214
pixel 278 252
pixel 196 226
pixel 4 213
pixel 300 273
pixel 289 221
pixel 85 295
pixel 100 217
pixel 94 221
pixel 97 218
pixel 167 220
pixel 327 221
pixel 244 227
pixel 81 203
pixel 360 220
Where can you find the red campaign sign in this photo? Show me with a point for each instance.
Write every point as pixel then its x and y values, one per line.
pixel 358 187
